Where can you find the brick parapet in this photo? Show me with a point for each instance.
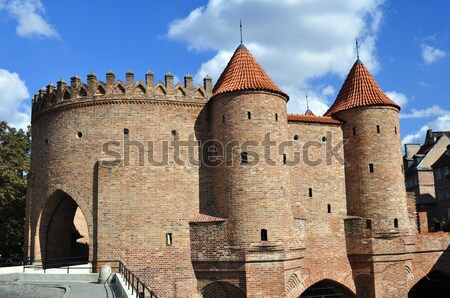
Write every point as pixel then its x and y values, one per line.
pixel 78 94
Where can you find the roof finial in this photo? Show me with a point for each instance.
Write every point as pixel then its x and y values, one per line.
pixel 240 26
pixel 357 49
pixel 307 102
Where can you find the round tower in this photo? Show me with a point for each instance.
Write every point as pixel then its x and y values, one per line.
pixel 374 176
pixel 249 122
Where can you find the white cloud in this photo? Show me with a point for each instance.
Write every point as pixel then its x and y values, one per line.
pixel 431 55
pixel 423 113
pixel 294 41
pixel 29 15
pixel 13 92
pixel 398 98
pixel 442 123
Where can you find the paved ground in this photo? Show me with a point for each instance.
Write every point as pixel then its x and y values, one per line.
pixel 15 289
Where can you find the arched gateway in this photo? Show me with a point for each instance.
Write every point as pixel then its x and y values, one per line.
pixel 327 288
pixel 435 284
pixel 63 232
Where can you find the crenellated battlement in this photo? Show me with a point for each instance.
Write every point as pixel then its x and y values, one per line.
pixel 64 94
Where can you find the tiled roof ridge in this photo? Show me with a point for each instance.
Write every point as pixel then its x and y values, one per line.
pixel 243 72
pixel 359 89
pixel 312 119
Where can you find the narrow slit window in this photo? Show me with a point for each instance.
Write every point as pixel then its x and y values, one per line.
pixel 378 129
pixel 369 224
pixel 371 167
pixel 249 115
pixel 223 119
pixel 169 239
pixel 276 117
pixel 329 208
pixel 284 158
pixel 395 223
pixel 263 235
pixel 354 131
pixel 244 158
pixel 310 192
pixel 395 129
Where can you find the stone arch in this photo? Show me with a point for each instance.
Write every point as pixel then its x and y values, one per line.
pixel 63 231
pixel 345 281
pixel 435 284
pixel 327 288
pixel 222 289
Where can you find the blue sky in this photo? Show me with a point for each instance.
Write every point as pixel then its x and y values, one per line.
pixel 304 45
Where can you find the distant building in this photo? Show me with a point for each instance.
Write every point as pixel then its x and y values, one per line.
pixel 419 177
pixel 442 185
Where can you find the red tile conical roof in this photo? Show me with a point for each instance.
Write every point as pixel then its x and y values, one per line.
pixel 243 72
pixel 360 89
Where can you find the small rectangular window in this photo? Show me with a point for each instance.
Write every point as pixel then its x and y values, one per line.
pixel 249 115
pixel 329 208
pixel 284 158
pixel 276 117
pixel 244 158
pixel 378 129
pixel 169 239
pixel 395 223
pixel 223 119
pixel 371 167
pixel 369 224
pixel 395 129
pixel 263 235
pixel 310 192
pixel 354 131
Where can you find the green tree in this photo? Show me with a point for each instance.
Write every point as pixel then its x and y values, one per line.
pixel 15 146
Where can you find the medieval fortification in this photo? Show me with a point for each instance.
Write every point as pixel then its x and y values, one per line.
pixel 218 192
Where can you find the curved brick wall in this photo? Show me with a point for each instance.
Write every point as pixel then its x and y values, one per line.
pixel 380 195
pixel 253 196
pixel 135 205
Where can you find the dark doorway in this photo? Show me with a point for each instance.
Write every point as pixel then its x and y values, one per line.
pixel 327 288
pixel 65 232
pixel 435 284
pixel 221 289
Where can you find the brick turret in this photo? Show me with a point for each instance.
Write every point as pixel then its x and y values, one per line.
pixel 251 191
pixel 374 178
pixel 374 182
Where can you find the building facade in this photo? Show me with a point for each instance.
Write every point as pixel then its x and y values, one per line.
pixel 442 184
pixel 218 192
pixel 422 179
